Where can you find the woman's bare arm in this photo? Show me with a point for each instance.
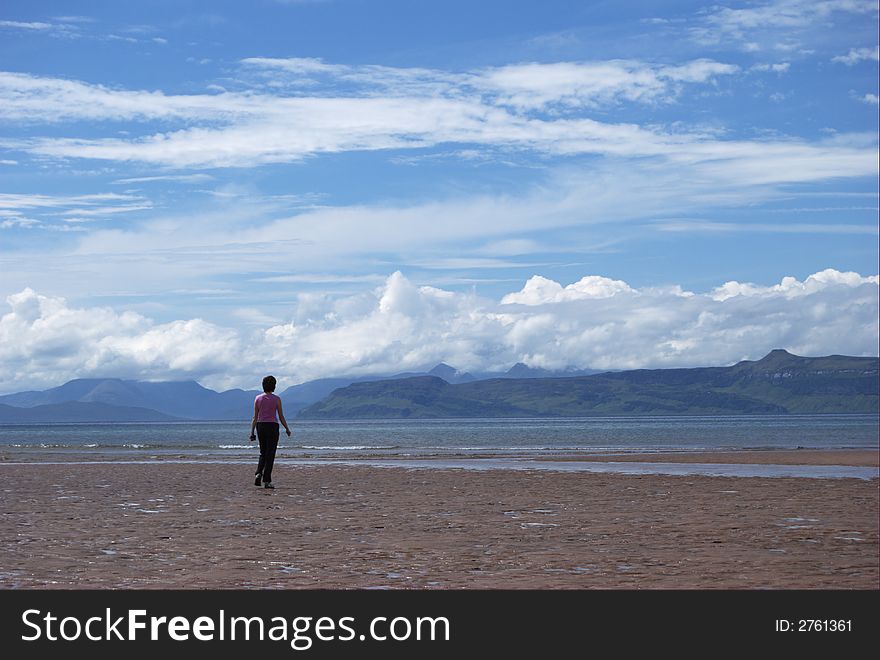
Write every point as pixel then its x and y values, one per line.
pixel 281 417
pixel 254 422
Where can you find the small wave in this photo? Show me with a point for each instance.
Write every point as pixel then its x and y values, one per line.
pixel 134 446
pixel 237 446
pixel 346 447
pixel 506 448
pixel 91 445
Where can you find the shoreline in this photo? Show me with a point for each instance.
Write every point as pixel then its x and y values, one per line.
pixel 815 464
pixel 169 525
pixel 800 456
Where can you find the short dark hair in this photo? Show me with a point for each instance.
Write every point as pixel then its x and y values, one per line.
pixel 269 383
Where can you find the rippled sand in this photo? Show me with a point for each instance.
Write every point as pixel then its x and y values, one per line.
pixel 168 525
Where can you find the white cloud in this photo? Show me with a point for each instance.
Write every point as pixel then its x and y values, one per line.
pixel 779 67
pixel 320 278
pixel 591 84
pixel 46 341
pixel 380 108
pixel 116 37
pixel 857 55
pixel 785 13
pixel 778 24
pixel 574 84
pixel 417 109
pixel 9 221
pixel 74 19
pixel 595 322
pixel 539 290
pixel 107 210
pixel 790 287
pixel 35 201
pixel 69 208
pixel 28 98
pixel 870 99
pixel 62 29
pixel 247 234
pixel 29 25
pixel 180 178
pixel 695 226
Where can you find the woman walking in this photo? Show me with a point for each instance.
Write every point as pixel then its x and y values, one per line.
pixel 266 406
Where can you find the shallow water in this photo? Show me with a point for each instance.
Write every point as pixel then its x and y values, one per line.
pixel 619 467
pixel 510 463
pixel 454 437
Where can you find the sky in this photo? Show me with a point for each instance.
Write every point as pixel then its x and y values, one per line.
pixel 314 188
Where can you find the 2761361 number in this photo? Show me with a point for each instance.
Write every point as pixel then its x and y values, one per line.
pixel 814 625
pixel 824 625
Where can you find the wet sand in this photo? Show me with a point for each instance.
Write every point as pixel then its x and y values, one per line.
pixel 853 457
pixel 170 525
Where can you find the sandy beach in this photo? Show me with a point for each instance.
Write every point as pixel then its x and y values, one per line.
pixel 171 525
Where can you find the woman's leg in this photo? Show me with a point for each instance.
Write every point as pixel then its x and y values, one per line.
pixel 271 447
pixel 261 436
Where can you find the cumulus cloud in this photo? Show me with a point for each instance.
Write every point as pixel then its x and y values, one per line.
pixel 44 341
pixel 539 290
pixel 595 322
pixel 790 287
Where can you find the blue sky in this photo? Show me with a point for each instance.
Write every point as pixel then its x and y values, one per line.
pixel 214 190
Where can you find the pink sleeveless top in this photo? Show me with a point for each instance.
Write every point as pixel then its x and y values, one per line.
pixel 267 406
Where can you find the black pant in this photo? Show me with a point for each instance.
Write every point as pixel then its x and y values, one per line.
pixel 267 432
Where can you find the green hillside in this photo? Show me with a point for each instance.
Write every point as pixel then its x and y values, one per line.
pixel 777 384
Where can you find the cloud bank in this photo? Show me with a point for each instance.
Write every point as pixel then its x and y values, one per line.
pixel 295 108
pixel 595 322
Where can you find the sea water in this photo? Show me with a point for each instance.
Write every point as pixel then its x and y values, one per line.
pixel 531 438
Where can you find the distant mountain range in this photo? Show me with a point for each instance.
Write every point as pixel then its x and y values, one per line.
pixel 114 399
pixel 118 400
pixel 777 384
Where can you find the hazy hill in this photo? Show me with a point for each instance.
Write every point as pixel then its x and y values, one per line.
pixel 180 399
pixel 778 383
pixel 77 411
pixel 133 400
